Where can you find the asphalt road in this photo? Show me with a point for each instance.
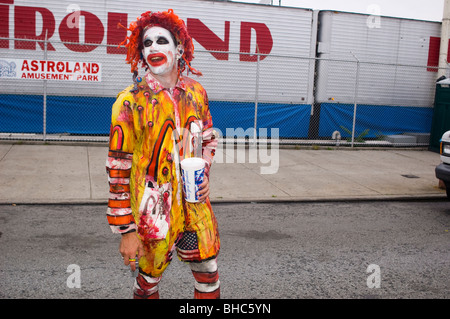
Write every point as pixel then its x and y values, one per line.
pixel 290 251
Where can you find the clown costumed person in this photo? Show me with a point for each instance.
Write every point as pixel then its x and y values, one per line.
pixel 151 132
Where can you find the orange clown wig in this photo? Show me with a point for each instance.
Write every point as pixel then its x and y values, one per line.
pixel 167 20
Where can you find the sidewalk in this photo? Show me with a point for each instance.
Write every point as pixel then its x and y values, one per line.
pixel 32 173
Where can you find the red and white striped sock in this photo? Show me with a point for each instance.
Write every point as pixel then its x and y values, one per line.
pixel 146 287
pixel 206 275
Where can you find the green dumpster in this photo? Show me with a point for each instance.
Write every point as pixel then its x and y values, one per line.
pixel 441 114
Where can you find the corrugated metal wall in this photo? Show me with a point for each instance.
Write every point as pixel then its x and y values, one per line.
pixel 390 90
pixel 387 52
pixel 230 80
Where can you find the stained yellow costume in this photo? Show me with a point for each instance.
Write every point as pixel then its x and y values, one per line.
pixel 150 135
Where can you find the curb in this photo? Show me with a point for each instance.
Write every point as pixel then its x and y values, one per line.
pixel 393 198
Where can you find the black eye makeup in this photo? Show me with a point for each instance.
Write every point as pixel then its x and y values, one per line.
pixel 148 43
pixel 160 41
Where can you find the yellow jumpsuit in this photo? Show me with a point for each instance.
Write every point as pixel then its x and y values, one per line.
pixel 150 135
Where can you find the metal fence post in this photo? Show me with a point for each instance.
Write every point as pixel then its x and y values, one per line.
pixel 256 97
pixel 44 111
pixel 355 106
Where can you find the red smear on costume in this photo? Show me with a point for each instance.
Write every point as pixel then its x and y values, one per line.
pixel 167 20
pixel 119 141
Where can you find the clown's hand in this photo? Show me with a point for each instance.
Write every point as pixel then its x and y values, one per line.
pixel 203 192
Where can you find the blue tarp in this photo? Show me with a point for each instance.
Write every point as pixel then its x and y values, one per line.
pixel 65 114
pixel 21 113
pixel 292 120
pixel 379 120
pixel 91 115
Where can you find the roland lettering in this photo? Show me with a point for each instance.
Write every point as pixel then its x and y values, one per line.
pixel 31 22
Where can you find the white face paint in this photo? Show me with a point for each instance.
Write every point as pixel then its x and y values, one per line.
pixel 160 51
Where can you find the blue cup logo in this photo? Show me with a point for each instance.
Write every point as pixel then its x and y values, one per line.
pixel 193 172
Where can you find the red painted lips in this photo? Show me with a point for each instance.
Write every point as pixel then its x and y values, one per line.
pixel 156 59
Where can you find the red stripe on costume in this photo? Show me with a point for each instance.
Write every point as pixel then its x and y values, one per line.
pixel 117 173
pixel 144 289
pixel 120 220
pixel 122 155
pixel 119 188
pixel 152 169
pixel 189 255
pixel 112 203
pixel 206 277
pixel 117 137
pixel 207 295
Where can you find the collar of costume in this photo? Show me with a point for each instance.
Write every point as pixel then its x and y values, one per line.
pixel 157 87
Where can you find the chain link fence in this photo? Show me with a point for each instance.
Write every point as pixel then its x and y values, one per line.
pixel 301 101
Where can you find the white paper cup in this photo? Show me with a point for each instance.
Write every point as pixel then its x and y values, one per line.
pixel 192 172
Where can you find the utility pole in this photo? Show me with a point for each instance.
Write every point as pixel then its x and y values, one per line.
pixel 443 53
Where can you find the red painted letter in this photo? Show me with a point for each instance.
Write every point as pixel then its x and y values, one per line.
pixel 264 40
pixel 4 24
pixel 93 32
pixel 433 53
pixel 25 27
pixel 208 39
pixel 116 34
